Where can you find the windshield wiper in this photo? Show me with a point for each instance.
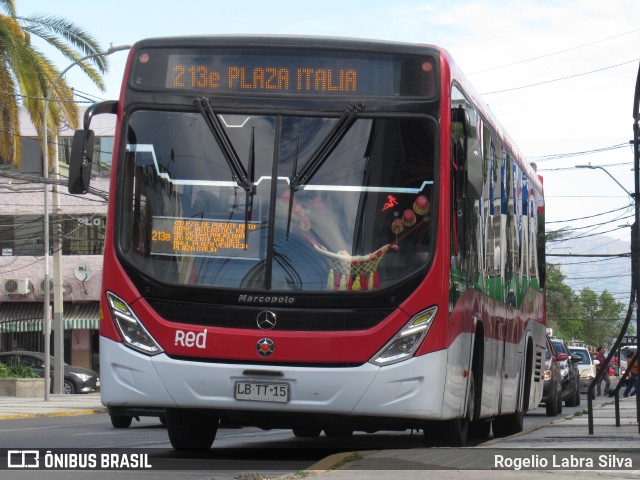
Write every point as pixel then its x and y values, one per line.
pixel 238 172
pixel 327 146
pixel 346 120
pixel 213 122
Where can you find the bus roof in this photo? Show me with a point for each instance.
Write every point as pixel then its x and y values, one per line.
pixel 450 70
pixel 288 40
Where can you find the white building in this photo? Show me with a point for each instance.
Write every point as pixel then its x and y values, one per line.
pixel 81 223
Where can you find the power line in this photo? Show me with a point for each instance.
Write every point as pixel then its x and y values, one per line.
pixel 561 78
pixel 564 169
pixel 586 262
pixel 572 229
pixel 589 255
pixel 556 156
pixel 554 53
pixel 33 97
pixel 78 92
pixel 588 216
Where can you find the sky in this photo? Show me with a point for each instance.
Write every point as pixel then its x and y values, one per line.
pixel 559 75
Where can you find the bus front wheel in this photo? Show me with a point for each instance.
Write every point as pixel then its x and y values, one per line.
pixel 191 429
pixel 454 432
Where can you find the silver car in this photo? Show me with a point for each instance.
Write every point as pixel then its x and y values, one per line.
pixel 586 367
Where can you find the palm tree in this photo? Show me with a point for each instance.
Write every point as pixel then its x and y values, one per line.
pixel 27 75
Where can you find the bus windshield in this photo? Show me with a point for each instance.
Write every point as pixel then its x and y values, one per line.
pixel 362 221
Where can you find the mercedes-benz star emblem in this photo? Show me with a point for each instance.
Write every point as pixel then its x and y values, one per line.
pixel 265 347
pixel 266 320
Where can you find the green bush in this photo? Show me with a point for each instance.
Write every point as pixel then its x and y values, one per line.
pixel 17 371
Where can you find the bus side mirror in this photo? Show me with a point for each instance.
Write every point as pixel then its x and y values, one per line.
pixel 80 162
pixel 473 161
pixel 473 166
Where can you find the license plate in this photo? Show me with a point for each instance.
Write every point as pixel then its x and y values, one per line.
pixel 262 392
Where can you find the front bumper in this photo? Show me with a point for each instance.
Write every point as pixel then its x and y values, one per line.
pixel 584 384
pixel 413 389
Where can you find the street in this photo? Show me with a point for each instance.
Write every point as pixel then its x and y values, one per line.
pixel 235 451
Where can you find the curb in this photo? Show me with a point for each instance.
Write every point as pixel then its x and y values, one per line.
pixel 332 462
pixel 69 413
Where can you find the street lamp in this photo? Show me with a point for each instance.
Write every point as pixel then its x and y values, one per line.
pixel 635 261
pixel 594 167
pixel 57 261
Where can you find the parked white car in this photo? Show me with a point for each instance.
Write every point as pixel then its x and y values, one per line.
pixel 586 367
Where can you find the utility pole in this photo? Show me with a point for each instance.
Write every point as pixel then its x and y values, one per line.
pixel 58 322
pixel 635 233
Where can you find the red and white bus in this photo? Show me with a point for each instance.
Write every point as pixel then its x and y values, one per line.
pixel 316 234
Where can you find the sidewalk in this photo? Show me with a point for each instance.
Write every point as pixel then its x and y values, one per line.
pixel 556 448
pixel 57 405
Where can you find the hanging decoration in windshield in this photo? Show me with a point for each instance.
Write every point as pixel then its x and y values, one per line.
pixel 270 71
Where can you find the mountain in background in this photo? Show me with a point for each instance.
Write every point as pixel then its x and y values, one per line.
pixel 607 273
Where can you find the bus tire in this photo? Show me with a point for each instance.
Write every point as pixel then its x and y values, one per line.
pixel 480 429
pixel 307 431
pixel 191 429
pixel 506 425
pixel 121 421
pixel 338 431
pixel 455 432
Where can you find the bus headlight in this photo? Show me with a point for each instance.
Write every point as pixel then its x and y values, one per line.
pixel 131 329
pixel 405 343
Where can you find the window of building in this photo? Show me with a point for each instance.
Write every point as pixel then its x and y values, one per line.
pixel 83 235
pixel 21 235
pixel 103 150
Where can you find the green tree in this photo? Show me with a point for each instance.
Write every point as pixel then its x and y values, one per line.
pixel 600 316
pixel 562 307
pixel 27 74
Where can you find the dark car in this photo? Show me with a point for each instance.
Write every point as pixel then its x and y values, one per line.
pixel 552 391
pixel 570 372
pixel 76 379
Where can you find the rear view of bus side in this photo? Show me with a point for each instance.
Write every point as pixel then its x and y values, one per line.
pixel 318 234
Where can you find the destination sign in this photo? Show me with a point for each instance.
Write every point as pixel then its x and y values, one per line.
pixel 286 71
pixel 285 74
pixel 200 237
